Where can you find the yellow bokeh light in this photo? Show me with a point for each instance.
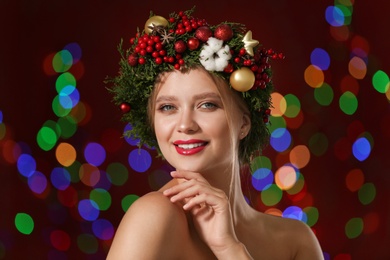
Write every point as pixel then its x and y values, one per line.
pixel 314 76
pixel 274 211
pixel 89 174
pixel 65 154
pixel 285 177
pixel 357 68
pixel 279 104
pixel 300 156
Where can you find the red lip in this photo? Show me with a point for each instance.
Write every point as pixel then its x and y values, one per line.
pixel 191 141
pixel 190 151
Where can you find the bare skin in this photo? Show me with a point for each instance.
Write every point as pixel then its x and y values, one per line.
pixel 192 217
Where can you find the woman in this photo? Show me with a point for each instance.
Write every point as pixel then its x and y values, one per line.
pixel 206 128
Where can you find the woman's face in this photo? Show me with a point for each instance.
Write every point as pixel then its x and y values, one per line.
pixel 190 123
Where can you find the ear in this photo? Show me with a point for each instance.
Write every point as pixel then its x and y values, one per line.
pixel 245 127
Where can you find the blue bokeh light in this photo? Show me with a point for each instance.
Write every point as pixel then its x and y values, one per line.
pixel 103 229
pixel 94 154
pixel 361 149
pixel 280 139
pixel 37 182
pixel 262 179
pixel 140 160
pixel 88 209
pixel 26 165
pixel 320 58
pixel 60 178
pixel 334 16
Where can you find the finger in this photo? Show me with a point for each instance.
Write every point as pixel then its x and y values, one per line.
pixel 188 175
pixel 191 191
pixel 178 187
pixel 214 202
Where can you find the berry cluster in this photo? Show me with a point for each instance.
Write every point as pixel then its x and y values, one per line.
pixel 154 45
pixel 186 24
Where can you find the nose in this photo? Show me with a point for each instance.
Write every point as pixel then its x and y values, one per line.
pixel 187 122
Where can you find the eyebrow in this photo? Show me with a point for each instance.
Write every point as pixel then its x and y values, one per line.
pixel 196 97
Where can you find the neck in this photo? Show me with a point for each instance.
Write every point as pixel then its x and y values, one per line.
pixel 230 182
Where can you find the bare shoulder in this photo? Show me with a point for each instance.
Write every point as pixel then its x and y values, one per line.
pixel 295 234
pixel 147 230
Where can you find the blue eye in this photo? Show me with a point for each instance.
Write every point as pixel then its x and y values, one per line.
pixel 208 105
pixel 166 107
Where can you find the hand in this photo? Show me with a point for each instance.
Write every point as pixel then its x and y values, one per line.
pixel 209 207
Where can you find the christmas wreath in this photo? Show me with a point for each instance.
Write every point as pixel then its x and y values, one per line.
pixel 183 41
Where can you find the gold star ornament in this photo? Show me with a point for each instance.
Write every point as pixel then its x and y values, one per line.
pixel 249 43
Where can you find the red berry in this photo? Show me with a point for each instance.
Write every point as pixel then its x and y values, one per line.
pixel 237 60
pixel 125 107
pixel 155 54
pixel 133 60
pixel 180 46
pixel 158 46
pixel 229 68
pixel 203 33
pixel 171 59
pixel 177 66
pixel 181 62
pixel 142 52
pixel 162 52
pixel 149 49
pixel 142 45
pixel 158 60
pixel 193 43
pixel 171 20
pixel 242 52
pixel 141 61
pixel 223 32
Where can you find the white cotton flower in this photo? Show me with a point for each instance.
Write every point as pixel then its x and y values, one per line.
pixel 214 56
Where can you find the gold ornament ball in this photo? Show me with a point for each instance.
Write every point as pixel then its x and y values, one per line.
pixel 155 21
pixel 242 79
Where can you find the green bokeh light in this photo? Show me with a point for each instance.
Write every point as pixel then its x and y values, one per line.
pixel 65 79
pixel 74 170
pixel 354 227
pixel 117 173
pixel 260 162
pixel 293 106
pixel 324 95
pixel 381 81
pixel 58 109
pixel 87 243
pixel 24 223
pixel 318 144
pixel 272 195
pixel 348 103
pixel 101 197
pixel 68 126
pixel 128 200
pixel 312 215
pixel 276 122
pixel 367 193
pixel 3 131
pixel 62 61
pixel 46 138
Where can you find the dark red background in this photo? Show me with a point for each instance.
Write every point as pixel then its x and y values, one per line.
pixel 31 30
